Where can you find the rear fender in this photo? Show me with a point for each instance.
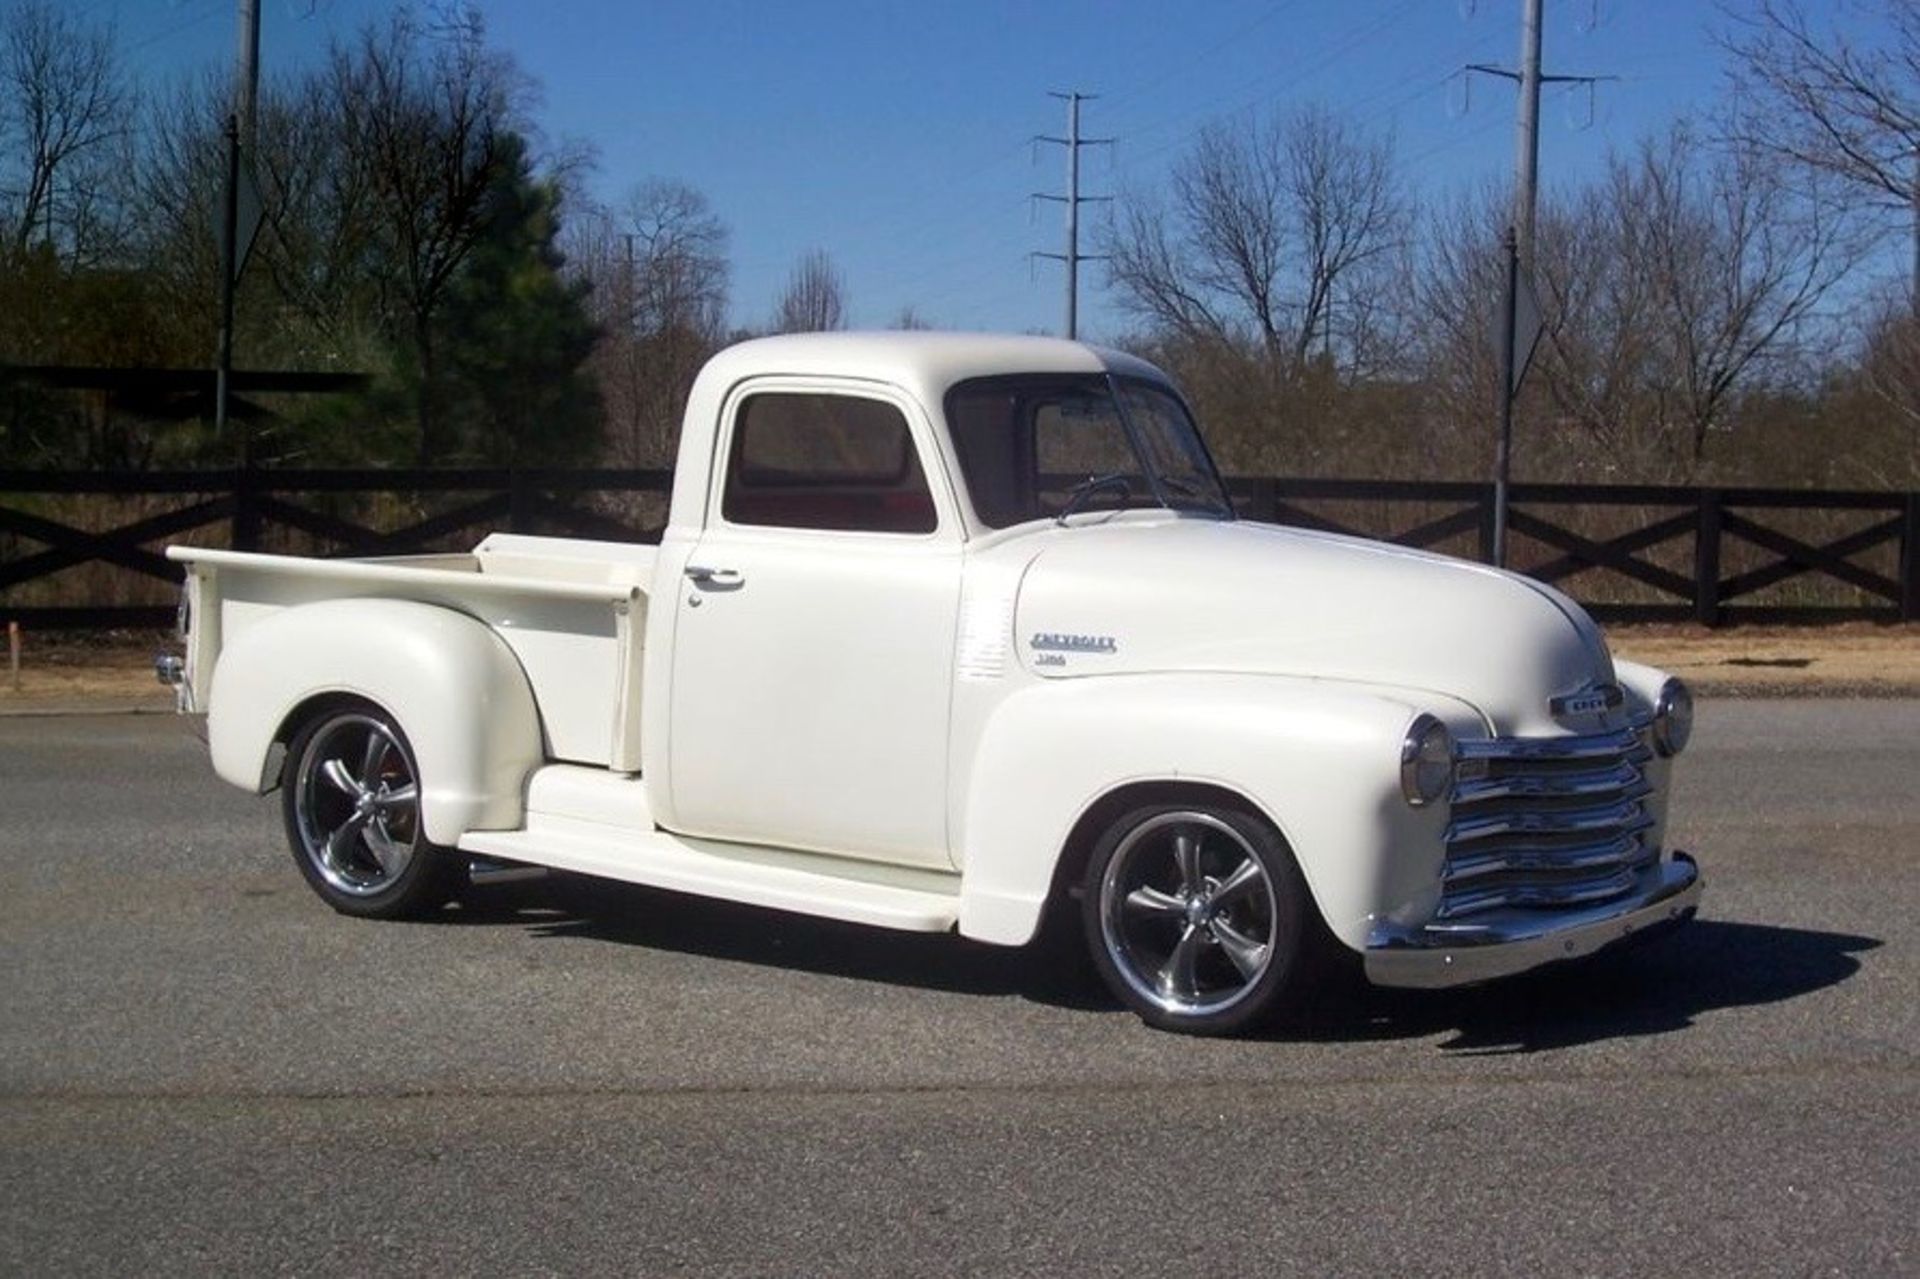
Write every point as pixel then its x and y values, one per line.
pixel 451 684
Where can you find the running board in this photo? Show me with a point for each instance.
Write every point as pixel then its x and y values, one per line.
pixel 806 883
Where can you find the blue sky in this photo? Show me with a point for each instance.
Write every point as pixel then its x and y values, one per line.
pixel 896 136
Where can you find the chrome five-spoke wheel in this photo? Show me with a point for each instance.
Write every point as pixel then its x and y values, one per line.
pixel 1194 916
pixel 352 807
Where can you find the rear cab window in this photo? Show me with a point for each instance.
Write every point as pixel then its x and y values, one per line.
pixel 820 460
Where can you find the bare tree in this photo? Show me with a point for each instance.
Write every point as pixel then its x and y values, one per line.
pixel 815 300
pixel 178 185
pixel 1455 283
pixel 1807 93
pixel 426 115
pixel 677 265
pixel 1682 284
pixel 1264 238
pixel 322 206
pixel 660 272
pixel 1736 261
pixel 62 104
pixel 1882 435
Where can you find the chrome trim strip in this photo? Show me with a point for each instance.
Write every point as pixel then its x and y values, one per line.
pixel 1623 850
pixel 1538 896
pixel 1594 746
pixel 1435 956
pixel 1548 785
pixel 1545 821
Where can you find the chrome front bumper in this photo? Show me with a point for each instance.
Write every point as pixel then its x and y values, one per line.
pixel 1459 954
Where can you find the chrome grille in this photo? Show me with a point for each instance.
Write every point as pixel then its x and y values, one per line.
pixel 1543 822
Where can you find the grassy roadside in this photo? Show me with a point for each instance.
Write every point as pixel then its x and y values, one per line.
pixel 114 671
pixel 86 672
pixel 1855 659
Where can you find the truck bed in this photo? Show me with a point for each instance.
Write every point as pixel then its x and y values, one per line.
pixel 573 612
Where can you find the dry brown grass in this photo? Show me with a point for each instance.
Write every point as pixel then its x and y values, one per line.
pixel 89 672
pixel 1856 658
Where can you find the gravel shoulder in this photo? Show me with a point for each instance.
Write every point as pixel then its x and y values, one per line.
pixel 114 673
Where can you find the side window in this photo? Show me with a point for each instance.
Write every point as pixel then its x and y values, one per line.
pixel 805 460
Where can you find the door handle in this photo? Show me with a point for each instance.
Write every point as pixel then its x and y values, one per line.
pixel 722 577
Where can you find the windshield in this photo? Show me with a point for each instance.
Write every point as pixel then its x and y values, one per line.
pixel 1039 446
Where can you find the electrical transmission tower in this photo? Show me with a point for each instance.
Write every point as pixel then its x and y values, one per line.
pixel 1073 200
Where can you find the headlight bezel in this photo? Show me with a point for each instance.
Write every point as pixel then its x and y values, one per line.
pixel 1672 718
pixel 1428 746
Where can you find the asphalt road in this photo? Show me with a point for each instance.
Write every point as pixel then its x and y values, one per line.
pixel 202 1069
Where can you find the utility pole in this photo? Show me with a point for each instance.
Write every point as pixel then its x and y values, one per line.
pixel 1517 335
pixel 1526 149
pixel 1526 137
pixel 246 80
pixel 240 134
pixel 1503 447
pixel 1073 200
pixel 1914 196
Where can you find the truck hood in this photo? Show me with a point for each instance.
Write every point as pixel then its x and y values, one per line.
pixel 1204 595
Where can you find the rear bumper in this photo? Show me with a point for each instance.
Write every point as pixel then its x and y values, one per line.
pixel 1513 942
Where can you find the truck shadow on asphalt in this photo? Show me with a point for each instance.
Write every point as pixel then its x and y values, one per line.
pixel 1660 986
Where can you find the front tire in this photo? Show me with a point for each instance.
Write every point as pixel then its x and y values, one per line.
pixel 1197 917
pixel 350 793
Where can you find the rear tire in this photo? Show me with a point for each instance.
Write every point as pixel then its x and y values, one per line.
pixel 350 796
pixel 1197 918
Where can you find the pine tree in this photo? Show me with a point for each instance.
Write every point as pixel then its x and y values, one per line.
pixel 515 334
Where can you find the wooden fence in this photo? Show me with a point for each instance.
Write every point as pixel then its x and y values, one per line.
pixel 1629 553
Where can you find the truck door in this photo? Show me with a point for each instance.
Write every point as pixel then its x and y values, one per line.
pixel 814 635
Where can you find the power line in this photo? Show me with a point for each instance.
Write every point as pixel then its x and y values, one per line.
pixel 210 8
pixel 1212 108
pixel 1180 69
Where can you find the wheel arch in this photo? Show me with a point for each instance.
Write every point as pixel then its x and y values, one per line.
pixel 452 686
pixel 1124 797
pixel 297 718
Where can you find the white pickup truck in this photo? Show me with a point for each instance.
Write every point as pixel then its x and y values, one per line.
pixel 944 629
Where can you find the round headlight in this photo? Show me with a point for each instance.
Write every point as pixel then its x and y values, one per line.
pixel 1672 718
pixel 1426 761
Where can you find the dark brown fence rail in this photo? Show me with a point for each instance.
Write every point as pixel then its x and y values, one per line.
pixel 82 550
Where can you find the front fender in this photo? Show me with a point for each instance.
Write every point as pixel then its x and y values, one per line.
pixel 453 686
pixel 1320 760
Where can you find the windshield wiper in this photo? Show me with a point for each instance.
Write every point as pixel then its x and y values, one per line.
pixel 1188 489
pixel 1088 487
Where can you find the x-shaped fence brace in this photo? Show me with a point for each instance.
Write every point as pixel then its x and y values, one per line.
pixel 68 546
pixel 1796 557
pixel 525 500
pixel 252 503
pixel 1705 519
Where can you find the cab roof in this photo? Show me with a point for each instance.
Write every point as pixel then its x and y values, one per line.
pixel 926 363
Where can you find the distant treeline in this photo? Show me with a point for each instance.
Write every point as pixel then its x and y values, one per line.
pixel 1709 300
